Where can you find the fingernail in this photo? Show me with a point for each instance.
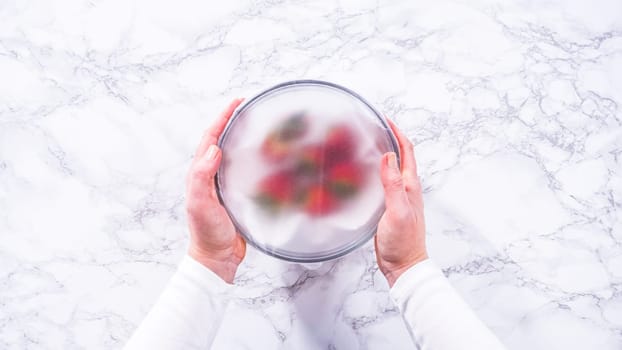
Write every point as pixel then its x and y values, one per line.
pixel 392 161
pixel 211 152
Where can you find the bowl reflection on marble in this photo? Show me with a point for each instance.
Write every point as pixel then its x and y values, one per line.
pixel 300 171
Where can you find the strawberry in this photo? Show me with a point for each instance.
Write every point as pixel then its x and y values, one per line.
pixel 340 143
pixel 318 201
pixel 345 179
pixel 310 160
pixel 295 126
pixel 277 145
pixel 276 191
pixel 274 149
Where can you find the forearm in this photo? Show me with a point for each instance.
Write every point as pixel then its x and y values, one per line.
pixel 437 316
pixel 187 314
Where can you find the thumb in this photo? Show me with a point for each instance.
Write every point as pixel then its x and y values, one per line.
pixel 391 177
pixel 205 169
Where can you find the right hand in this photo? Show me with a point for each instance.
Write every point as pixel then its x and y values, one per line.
pixel 400 238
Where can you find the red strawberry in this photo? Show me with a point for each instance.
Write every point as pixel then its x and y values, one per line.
pixel 277 145
pixel 274 149
pixel 340 143
pixel 345 179
pixel 276 190
pixel 310 160
pixel 318 201
pixel 295 126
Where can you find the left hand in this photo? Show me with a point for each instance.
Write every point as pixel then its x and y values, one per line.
pixel 214 241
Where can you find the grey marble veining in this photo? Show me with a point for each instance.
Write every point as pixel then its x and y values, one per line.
pixel 513 107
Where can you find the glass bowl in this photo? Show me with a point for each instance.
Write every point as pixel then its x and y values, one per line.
pixel 300 173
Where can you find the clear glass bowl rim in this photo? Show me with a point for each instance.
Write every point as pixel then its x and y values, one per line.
pixel 302 258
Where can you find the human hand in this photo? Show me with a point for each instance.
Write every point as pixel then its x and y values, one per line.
pixel 214 241
pixel 400 238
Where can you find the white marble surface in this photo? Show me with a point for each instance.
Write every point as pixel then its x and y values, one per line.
pixel 514 108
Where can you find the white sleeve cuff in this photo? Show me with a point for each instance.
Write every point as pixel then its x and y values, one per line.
pixel 187 314
pixel 417 275
pixel 203 277
pixel 436 314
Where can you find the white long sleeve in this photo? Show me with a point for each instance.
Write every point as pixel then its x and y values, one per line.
pixel 189 311
pixel 436 315
pixel 187 314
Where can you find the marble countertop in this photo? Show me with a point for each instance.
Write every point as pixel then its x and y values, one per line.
pixel 514 107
